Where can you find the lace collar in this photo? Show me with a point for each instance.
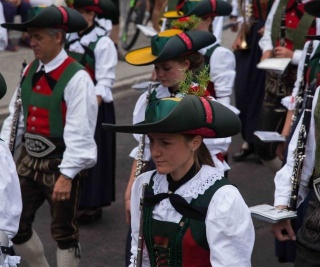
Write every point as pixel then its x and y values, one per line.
pixel 205 178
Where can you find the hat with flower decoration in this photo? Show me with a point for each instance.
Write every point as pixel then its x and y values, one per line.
pixel 200 8
pixel 188 115
pixel 3 86
pixel 168 45
pixel 103 8
pixel 58 17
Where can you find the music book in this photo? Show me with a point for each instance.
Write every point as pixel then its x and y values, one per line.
pixel 271 214
pixel 268 136
pixel 277 65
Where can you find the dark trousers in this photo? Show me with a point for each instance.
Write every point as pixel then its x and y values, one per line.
pixel 10 11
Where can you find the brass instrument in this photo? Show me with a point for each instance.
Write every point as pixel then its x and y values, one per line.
pixel 246 12
pixel 138 259
pixel 16 114
pixel 301 145
pixel 282 42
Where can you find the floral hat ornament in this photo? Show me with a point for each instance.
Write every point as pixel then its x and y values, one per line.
pixel 188 87
pixel 186 23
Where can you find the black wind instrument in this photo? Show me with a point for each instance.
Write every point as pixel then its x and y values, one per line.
pixel 301 145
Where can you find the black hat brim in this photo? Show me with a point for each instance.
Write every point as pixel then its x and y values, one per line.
pixel 51 17
pixel 188 115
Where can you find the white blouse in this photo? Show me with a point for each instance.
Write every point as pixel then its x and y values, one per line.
pixel 105 56
pixel 229 227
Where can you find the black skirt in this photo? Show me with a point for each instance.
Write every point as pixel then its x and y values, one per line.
pixel 99 187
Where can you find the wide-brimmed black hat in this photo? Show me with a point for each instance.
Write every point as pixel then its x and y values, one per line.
pixel 3 86
pixel 103 8
pixel 60 17
pixel 189 115
pixel 170 44
pixel 313 9
pixel 202 8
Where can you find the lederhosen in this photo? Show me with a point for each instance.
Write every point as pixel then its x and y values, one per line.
pixel 99 188
pixel 179 244
pixel 45 117
pixel 273 113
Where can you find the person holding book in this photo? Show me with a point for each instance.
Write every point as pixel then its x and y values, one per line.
pixel 249 81
pixel 307 238
pixel 286 23
pixel 187 225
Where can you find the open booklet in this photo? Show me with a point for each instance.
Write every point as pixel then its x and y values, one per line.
pixel 277 65
pixel 268 136
pixel 270 214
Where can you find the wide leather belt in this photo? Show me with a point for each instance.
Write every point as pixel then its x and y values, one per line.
pixel 39 146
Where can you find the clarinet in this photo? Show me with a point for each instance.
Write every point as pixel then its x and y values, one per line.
pixel 16 114
pixel 141 146
pixel 138 259
pixel 299 154
pixel 299 97
pixel 282 42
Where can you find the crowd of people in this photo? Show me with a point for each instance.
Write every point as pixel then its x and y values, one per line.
pixel 62 122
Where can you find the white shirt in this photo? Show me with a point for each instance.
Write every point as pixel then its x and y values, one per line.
pixel 229 227
pixel 215 145
pixel 105 56
pixel 10 194
pixel 222 72
pixel 282 178
pixel 82 108
pixel 265 42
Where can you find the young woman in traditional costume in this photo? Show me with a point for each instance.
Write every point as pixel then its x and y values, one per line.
pixel 192 215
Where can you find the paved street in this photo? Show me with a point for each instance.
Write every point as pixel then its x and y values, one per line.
pixel 103 242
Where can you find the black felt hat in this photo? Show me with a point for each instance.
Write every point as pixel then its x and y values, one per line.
pixel 60 17
pixel 189 115
pixel 3 86
pixel 103 8
pixel 170 44
pixel 201 8
pixel 313 9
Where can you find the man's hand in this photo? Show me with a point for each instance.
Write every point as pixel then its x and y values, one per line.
pixel 62 189
pixel 282 52
pixel 283 231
